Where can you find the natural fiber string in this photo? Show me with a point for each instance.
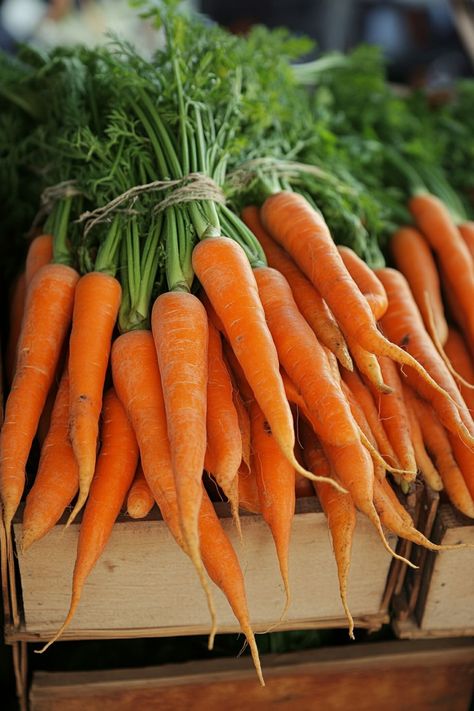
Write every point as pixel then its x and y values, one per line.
pixel 50 195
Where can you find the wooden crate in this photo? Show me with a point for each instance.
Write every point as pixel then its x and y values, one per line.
pixel 392 676
pixel 443 605
pixel 144 586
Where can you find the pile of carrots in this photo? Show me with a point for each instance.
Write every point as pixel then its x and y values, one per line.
pixel 313 342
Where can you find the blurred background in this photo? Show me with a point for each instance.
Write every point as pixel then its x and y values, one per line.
pixel 426 42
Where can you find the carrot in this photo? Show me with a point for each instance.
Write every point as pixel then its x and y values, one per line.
pixel 248 490
pixel 423 461
pixel 403 324
pixel 308 300
pixel 464 457
pixel 413 257
pixel 137 382
pixel 275 479
pixel 180 331
pixel 459 355
pixel 394 415
pixel 57 478
pixel 224 441
pixel 438 445
pixel 340 513
pixel 96 306
pixel 48 312
pixel 466 230
pixel 364 397
pixel 366 280
pixel 302 231
pixel 226 276
pixel 305 360
pixel 368 365
pixel 40 252
pixel 16 307
pixel 455 260
pixel 140 500
pixel 116 467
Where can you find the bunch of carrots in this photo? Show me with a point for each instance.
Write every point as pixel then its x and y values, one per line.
pixel 186 338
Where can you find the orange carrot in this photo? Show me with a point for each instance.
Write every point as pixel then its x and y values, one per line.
pixel 40 252
pixel 340 513
pixel 462 361
pixel 116 466
pixel 413 257
pixel 16 309
pixel 308 300
pixel 423 461
pixel 248 491
pixel 140 500
pixel 403 325
pixel 438 445
pixel 226 276
pixel 48 312
pixel 180 330
pixel 366 280
pixel 302 231
pixel 275 479
pixel 57 478
pixel 96 306
pixel 368 365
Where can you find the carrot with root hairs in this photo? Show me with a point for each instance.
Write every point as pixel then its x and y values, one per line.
pixel 438 445
pixel 180 331
pixel 302 231
pixel 462 361
pixel 48 312
pixel 339 510
pixel 116 465
pixel 366 280
pixel 414 259
pixel 57 479
pixel 248 490
pixel 140 500
pixel 403 324
pixel 423 461
pixel 275 478
pixel 224 271
pixel 368 365
pixel 96 307
pixel 308 300
pixel 137 383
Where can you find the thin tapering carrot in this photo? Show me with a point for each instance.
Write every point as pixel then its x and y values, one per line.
pixel 48 312
pixel 340 513
pixel 458 353
pixel 137 382
pixel 438 445
pixel 140 499
pixel 16 308
pixel 414 259
pixel 403 325
pixel 464 457
pixel 226 276
pixel 96 306
pixel 180 330
pixel 224 440
pixel 304 360
pixel 40 252
pixel 116 467
pixel 275 478
pixel 393 413
pixel 423 461
pixel 57 479
pixel 368 365
pixel 302 231
pixel 308 300
pixel 366 280
pixel 434 220
pixel 248 491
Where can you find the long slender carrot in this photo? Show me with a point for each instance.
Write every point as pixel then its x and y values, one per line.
pixel 226 276
pixel 423 461
pixel 137 382
pixel 340 513
pixel 366 280
pixel 48 312
pixel 438 445
pixel 462 361
pixel 304 360
pixel 308 300
pixel 275 479
pixel 466 230
pixel 413 257
pixel 140 500
pixel 116 467
pixel 16 308
pixel 96 306
pixel 464 457
pixel 40 252
pixel 57 478
pixel 434 220
pixel 180 331
pixel 302 231
pixel 403 324
pixel 368 365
